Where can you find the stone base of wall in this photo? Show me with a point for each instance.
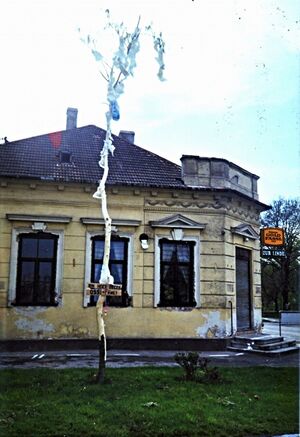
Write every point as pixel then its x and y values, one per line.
pixel 180 344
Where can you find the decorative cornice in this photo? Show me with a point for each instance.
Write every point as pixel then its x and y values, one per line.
pixel 183 204
pixel 115 222
pixel 39 218
pixel 251 213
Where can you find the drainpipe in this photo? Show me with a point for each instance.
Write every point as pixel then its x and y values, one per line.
pixel 231 317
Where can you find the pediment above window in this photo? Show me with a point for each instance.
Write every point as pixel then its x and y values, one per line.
pixel 245 231
pixel 177 221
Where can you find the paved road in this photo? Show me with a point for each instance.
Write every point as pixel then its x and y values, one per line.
pixel 286 331
pixel 129 358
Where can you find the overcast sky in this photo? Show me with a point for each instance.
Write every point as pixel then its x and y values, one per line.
pixel 232 69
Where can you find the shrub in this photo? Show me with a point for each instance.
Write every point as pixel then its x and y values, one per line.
pixel 196 368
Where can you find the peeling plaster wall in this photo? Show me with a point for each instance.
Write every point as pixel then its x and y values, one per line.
pixel 214 326
pixel 71 320
pixel 30 320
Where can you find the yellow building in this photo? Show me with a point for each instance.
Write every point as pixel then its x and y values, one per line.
pixel 185 242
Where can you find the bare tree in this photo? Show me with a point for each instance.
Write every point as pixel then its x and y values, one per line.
pixel 115 71
pixel 280 275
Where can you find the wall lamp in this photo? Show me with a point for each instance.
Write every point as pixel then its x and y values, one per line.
pixel 144 241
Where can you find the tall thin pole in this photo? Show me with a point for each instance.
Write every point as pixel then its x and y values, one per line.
pixel 115 73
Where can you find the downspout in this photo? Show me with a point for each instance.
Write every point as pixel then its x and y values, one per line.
pixel 231 317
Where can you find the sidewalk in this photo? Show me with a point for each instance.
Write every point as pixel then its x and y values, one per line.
pixel 133 358
pixel 271 327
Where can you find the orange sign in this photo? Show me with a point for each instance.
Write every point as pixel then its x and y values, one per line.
pixel 272 237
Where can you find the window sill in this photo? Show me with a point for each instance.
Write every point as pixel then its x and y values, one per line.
pixel 109 306
pixel 13 305
pixel 177 308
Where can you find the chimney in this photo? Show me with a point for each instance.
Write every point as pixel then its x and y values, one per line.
pixel 127 135
pixel 72 118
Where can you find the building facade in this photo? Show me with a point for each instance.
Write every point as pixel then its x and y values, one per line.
pixel 185 241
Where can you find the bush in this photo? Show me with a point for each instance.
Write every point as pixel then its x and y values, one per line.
pixel 196 368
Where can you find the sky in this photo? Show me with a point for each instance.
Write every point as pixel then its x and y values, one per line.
pixel 232 86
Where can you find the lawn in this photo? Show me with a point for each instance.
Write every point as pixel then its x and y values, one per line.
pixel 148 401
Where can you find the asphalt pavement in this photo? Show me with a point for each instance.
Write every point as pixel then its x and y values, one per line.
pixel 271 326
pixel 135 358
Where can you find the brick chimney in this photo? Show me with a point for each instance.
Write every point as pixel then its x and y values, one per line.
pixel 72 118
pixel 127 135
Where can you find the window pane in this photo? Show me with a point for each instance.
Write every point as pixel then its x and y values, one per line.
pixel 168 286
pixel 99 249
pixel 97 272
pixel 183 253
pixel 29 247
pixel 183 285
pixel 168 252
pixel 43 289
pixel 117 250
pixel 26 288
pixel 116 271
pixel 46 248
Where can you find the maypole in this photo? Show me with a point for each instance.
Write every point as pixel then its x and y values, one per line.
pixel 115 72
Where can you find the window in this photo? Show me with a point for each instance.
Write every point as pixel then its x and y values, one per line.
pixel 36 269
pixel 65 157
pixel 118 265
pixel 177 277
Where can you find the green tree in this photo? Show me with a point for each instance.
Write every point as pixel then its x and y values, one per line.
pixel 280 275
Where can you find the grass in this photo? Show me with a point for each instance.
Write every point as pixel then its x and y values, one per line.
pixel 148 401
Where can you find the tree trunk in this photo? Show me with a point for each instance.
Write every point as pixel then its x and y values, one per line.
pixel 102 353
pixel 105 277
pixel 285 287
pixel 102 339
pixel 285 298
pixel 276 304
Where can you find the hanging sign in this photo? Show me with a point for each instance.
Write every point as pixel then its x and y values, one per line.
pixel 96 289
pixel 272 237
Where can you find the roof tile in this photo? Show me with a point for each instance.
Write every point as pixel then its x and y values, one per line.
pixel 39 158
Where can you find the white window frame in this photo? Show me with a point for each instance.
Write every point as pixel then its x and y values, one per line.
pixel 88 261
pixel 12 292
pixel 196 267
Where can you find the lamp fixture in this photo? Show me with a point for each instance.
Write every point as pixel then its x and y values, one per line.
pixel 144 241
